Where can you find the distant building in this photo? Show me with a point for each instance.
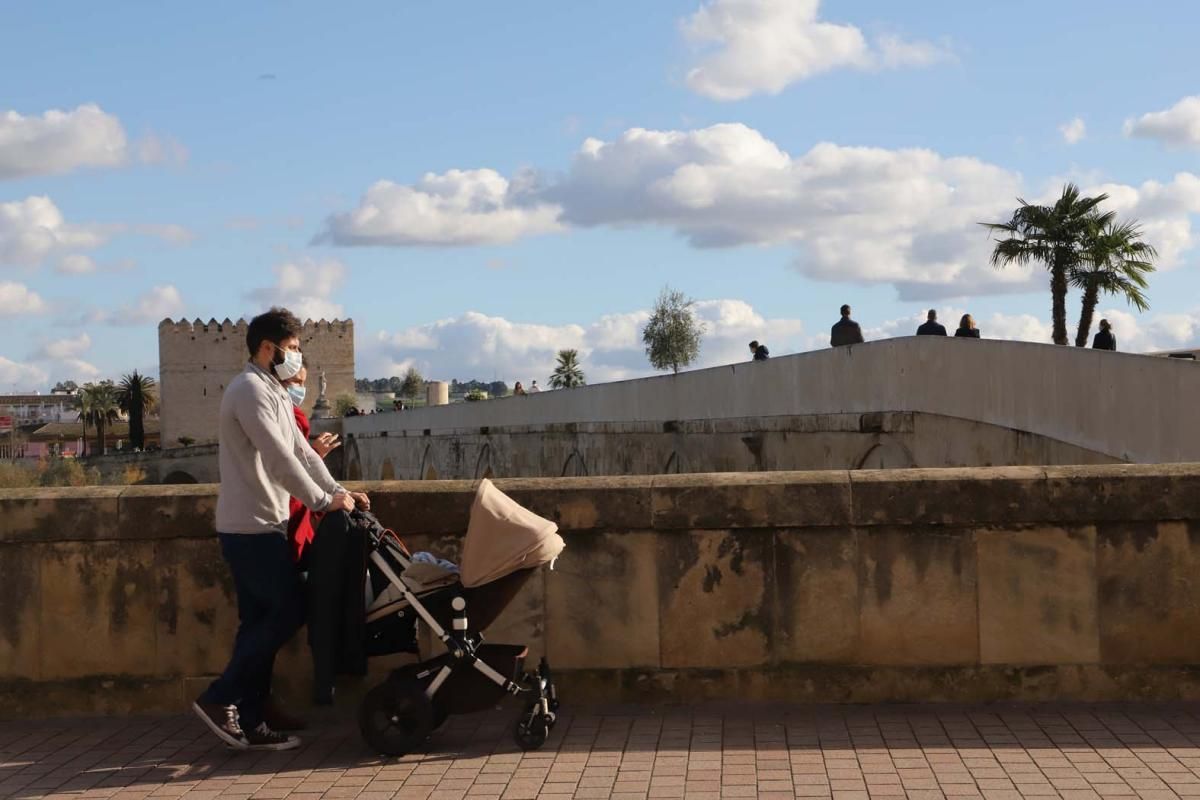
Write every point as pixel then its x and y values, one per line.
pixel 38 409
pixel 196 360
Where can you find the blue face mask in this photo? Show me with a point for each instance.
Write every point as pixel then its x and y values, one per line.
pixel 296 391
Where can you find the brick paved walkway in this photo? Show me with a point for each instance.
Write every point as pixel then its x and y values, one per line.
pixel 703 752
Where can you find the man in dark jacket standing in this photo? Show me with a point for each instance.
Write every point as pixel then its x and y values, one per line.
pixel 931 327
pixel 845 331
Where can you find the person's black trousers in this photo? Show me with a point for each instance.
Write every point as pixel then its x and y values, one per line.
pixel 336 609
pixel 270 611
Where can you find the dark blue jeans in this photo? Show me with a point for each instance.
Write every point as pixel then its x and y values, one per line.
pixel 270 611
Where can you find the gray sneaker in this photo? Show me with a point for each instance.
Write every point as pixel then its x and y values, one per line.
pixel 263 738
pixel 223 721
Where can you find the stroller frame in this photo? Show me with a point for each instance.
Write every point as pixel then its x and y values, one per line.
pixel 399 714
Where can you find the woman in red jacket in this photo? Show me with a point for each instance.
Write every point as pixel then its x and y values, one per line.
pixel 300 519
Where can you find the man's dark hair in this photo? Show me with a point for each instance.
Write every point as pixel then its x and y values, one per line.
pixel 754 344
pixel 273 326
pixel 845 311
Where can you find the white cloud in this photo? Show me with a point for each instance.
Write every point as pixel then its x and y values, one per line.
pixel 17 299
pixel 59 141
pixel 476 345
pixel 76 264
pixel 1149 334
pixel 459 207
pixel 1178 126
pixel 857 214
pixel 33 229
pixel 863 215
pixel 158 303
pixel 1164 210
pixel 1074 131
pixel 766 45
pixel 1018 327
pixel 155 149
pixel 1135 333
pixel 304 287
pixel 18 376
pixel 61 349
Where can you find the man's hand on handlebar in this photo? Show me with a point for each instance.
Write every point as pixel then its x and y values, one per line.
pixel 361 500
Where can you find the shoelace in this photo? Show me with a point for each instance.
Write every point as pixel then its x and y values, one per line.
pixel 265 731
pixel 232 721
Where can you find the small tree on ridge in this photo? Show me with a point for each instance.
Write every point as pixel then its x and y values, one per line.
pixel 673 333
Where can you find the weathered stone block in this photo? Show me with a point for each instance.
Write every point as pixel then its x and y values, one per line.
pixel 59 514
pixel 100 601
pixel 816 579
pixel 1147 492
pixel 167 512
pixel 1037 596
pixel 524 620
pixel 715 598
pixel 20 611
pixel 751 500
pixel 949 496
pixel 1149 579
pixel 602 602
pixel 917 590
pixel 196 617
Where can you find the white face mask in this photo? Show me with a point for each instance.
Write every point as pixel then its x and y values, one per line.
pixel 297 393
pixel 293 362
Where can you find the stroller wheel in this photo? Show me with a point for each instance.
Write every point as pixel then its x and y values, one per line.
pixel 531 728
pixel 396 717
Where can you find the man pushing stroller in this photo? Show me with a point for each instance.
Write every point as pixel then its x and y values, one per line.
pixel 263 460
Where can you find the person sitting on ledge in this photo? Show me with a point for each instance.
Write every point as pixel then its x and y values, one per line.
pixel 966 328
pixel 760 351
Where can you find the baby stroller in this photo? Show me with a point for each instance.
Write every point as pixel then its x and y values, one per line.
pixel 505 545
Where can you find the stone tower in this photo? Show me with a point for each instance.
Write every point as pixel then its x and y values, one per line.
pixel 197 359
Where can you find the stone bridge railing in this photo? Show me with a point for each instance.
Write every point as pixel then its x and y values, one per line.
pixel 915 585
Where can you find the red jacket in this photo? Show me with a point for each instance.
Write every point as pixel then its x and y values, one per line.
pixel 300 519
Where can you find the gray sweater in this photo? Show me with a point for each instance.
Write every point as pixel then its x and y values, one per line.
pixel 264 458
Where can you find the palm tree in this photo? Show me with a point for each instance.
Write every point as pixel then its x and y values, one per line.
pixel 98 407
pixel 1115 262
pixel 1055 236
pixel 136 397
pixel 568 373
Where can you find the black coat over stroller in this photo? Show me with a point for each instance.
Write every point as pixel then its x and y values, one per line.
pixel 505 545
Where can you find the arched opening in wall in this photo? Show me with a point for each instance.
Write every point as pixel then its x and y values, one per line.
pixel 483 464
pixel 354 470
pixel 387 472
pixel 887 454
pixel 575 466
pixel 428 471
pixel 179 476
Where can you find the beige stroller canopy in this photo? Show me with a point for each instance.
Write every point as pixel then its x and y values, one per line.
pixel 503 537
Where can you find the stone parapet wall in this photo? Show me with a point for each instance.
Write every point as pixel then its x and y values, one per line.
pixel 914 585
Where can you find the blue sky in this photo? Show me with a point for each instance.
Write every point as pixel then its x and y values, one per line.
pixel 214 157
